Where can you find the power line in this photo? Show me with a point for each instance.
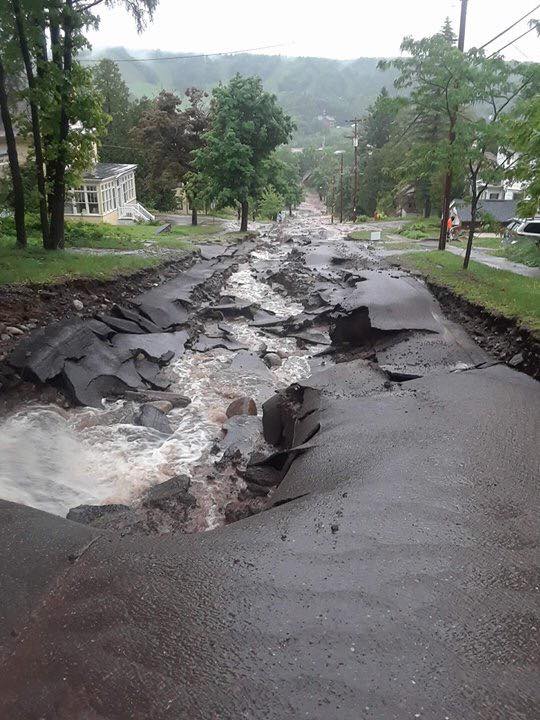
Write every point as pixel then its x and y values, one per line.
pixel 188 57
pixel 508 28
pixel 512 42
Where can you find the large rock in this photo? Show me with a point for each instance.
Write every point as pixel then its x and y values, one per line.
pixel 272 360
pixel 242 406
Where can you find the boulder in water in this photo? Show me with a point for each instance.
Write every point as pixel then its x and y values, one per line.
pixel 242 406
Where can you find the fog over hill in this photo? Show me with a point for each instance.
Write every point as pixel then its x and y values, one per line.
pixel 307 87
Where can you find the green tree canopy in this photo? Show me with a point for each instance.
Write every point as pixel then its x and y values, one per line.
pixel 247 125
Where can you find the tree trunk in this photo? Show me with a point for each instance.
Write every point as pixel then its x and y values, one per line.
pixel 427 206
pixel 472 227
pixel 36 125
pixel 193 215
pixel 244 216
pixel 447 188
pixel 58 195
pixel 15 169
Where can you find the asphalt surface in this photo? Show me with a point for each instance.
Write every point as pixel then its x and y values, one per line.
pixel 397 579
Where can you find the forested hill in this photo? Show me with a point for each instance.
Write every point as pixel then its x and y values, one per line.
pixel 308 88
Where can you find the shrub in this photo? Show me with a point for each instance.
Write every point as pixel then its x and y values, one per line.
pixel 271 203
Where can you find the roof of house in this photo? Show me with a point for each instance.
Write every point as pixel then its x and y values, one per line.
pixel 103 171
pixel 501 210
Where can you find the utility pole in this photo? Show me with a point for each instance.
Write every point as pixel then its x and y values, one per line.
pixel 341 188
pixel 333 201
pixel 354 138
pixel 462 25
pixel 451 138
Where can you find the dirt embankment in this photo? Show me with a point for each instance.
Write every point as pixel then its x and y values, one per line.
pixel 501 336
pixel 25 307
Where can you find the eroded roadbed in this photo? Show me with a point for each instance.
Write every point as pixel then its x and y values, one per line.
pixel 393 571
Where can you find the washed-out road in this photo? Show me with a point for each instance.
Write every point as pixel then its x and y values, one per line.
pixel 393 576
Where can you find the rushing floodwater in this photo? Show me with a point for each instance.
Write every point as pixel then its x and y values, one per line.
pixel 55 459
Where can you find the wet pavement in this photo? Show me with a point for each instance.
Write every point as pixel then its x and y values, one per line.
pixel 395 576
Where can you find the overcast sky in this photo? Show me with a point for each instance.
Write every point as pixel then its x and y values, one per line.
pixel 339 29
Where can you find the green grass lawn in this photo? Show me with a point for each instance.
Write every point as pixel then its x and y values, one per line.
pixel 126 237
pixel 500 291
pixel 36 265
pixel 421 229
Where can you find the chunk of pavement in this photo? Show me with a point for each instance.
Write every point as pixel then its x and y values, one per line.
pixel 100 329
pixel 205 343
pixel 150 373
pixel 395 303
pixel 242 406
pixel 120 325
pixel 153 345
pixel 272 360
pixel 43 354
pixel 242 432
pixel 103 369
pixel 264 475
pixel 249 363
pixel 86 514
pixel 165 315
pixel 136 317
pixel 150 416
pixel 257 490
pixel 176 400
pixel 169 494
pixel 314 338
pixel 272 423
pixel 234 309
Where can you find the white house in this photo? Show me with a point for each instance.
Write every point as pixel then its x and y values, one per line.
pixel 506 189
pixel 107 194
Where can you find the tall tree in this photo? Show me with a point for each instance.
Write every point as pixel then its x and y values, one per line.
pixel 65 115
pixel 439 78
pixel 23 28
pixel 487 146
pixel 168 134
pixel 117 105
pixel 247 124
pixel 13 158
pixel 524 138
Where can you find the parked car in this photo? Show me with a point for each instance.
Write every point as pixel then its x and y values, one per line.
pixel 520 229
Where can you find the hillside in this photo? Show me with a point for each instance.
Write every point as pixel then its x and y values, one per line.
pixel 310 89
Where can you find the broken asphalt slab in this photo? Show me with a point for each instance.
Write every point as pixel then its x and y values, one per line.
pixel 392 546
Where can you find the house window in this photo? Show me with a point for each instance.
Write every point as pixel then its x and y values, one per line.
pixel 108 196
pixel 83 200
pixel 92 199
pixel 493 196
pixel 127 188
